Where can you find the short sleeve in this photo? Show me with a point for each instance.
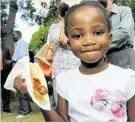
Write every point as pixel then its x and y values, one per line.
pixel 130 86
pixel 61 86
pixel 54 33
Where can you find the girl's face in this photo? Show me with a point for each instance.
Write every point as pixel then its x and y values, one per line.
pixel 88 34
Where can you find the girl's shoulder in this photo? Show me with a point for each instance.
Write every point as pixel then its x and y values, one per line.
pixel 120 70
pixel 64 82
pixel 123 76
pixel 69 73
pixel 67 76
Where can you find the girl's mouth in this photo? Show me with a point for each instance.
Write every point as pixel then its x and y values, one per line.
pixel 91 48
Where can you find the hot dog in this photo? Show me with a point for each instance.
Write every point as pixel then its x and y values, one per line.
pixel 39 89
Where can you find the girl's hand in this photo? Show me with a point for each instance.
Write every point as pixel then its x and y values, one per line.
pixel 19 85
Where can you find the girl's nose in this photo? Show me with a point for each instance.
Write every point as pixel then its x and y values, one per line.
pixel 89 42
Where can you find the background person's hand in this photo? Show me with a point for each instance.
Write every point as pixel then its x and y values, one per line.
pixel 19 85
pixel 50 56
pixel 7 62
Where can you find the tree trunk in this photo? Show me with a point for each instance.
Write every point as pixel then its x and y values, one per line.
pixel 7 39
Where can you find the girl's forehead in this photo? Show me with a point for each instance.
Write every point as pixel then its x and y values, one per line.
pixel 86 13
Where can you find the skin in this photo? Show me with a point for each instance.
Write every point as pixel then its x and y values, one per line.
pixel 50 54
pixel 131 109
pixel 89 43
pixel 20 85
pixel 89 39
pixel 16 37
pixel 110 5
pixel 63 39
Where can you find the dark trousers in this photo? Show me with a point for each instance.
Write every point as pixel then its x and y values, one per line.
pixel 5 92
pixel 24 105
pixel 5 99
pixel 124 58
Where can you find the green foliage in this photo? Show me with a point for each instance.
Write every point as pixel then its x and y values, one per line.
pixel 39 38
pixel 30 13
pixel 52 15
pixel 28 10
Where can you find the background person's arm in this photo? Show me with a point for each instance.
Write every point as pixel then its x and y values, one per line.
pixel 125 27
pixel 50 54
pixel 63 39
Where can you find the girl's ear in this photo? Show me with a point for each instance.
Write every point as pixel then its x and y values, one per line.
pixel 110 38
pixel 68 41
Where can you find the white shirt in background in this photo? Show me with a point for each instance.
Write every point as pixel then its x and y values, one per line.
pixel 21 50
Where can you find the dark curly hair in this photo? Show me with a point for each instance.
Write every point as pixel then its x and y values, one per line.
pixel 63 8
pixel 18 33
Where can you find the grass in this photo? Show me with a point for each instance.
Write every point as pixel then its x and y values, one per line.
pixel 35 116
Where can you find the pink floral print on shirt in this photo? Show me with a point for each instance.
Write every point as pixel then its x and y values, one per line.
pixel 114 103
pixel 100 99
pixel 117 107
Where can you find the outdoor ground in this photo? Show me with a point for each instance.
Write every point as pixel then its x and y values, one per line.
pixel 35 116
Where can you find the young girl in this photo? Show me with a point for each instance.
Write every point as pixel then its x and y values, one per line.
pixel 64 59
pixel 96 91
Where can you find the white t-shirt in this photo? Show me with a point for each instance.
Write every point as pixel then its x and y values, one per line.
pixel 100 97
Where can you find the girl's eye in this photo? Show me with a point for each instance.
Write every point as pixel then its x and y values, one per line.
pixel 77 36
pixel 98 33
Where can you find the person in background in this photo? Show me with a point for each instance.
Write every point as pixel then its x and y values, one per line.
pixel 21 50
pixel 134 37
pixel 121 52
pixel 1 63
pixel 31 55
pixel 6 68
pixel 63 58
pixel 92 92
